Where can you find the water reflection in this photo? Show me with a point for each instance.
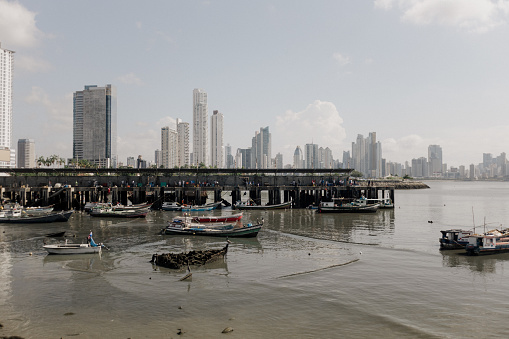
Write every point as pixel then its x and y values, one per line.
pixel 481 264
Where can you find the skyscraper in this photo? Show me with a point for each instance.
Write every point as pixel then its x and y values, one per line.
pixel 200 127
pixel 435 160
pixel 26 153
pixel 183 144
pixel 298 158
pixel 216 142
pixel 95 125
pixel 169 147
pixel 311 156
pixel 261 149
pixel 7 154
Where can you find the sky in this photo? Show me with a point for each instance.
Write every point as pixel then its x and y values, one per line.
pixel 416 72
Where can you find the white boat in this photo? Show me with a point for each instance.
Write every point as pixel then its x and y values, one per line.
pixel 72 248
pixel 34 211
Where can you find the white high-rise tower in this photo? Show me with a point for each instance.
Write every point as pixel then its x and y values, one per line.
pixel 216 135
pixel 200 128
pixel 7 153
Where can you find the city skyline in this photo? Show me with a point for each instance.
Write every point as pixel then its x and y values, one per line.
pixel 417 75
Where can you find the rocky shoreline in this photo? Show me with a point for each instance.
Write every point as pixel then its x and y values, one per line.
pixel 400 184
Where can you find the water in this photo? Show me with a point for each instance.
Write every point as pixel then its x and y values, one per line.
pixel 307 275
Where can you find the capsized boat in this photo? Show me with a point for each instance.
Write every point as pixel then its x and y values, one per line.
pixel 243 205
pixel 178 260
pixel 360 205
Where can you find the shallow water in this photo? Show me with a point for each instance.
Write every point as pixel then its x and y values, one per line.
pixel 307 275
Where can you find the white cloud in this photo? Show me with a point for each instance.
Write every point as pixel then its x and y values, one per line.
pixel 17 25
pixel 32 64
pixel 318 123
pixel 130 79
pixel 406 148
pixel 472 15
pixel 341 59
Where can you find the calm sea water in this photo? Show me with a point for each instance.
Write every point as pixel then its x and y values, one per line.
pixel 307 275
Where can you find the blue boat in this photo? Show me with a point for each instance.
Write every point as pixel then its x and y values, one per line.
pixel 200 208
pixel 488 243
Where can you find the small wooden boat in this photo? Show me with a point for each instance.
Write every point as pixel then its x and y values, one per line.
pixel 340 206
pixel 110 213
pixel 232 230
pixel 33 211
pixel 454 239
pixel 131 207
pixel 214 219
pixel 241 205
pixel 179 260
pixel 68 248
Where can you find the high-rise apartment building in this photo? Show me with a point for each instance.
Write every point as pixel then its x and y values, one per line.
pixel 311 156
pixel 200 127
pixel 261 149
pixel 183 157
pixel 169 147
pixel 298 158
pixel 216 140
pixel 26 153
pixel 131 162
pixel 435 160
pixel 95 125
pixel 367 156
pixel 7 153
pixel 158 158
pixel 229 160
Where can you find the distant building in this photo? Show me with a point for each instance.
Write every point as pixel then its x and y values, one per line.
pixel 26 153
pixel 261 149
pixel 435 161
pixel 298 158
pixel 140 163
pixel 7 152
pixel 367 156
pixel 95 125
pixel 169 147
pixel 278 161
pixel 216 140
pixel 131 162
pixel 229 160
pixel 158 158
pixel 183 156
pixel 200 127
pixel 311 156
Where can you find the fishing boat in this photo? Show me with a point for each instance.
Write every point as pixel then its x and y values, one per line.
pixel 232 230
pixel 454 239
pixel 111 213
pixel 360 205
pixel 171 206
pixel 46 218
pixel 215 219
pixel 119 207
pixel 200 208
pixel 33 211
pixel 491 242
pixel 243 205
pixel 383 203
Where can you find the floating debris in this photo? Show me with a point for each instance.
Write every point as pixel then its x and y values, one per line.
pixel 227 330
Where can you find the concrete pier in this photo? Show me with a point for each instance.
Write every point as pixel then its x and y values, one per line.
pixel 74 188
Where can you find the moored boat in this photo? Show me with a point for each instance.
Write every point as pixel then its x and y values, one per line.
pixel 111 213
pixel 488 243
pixel 454 239
pixel 70 248
pixel 242 205
pixel 33 211
pixel 232 230
pixel 171 206
pixel 341 206
pixel 45 218
pixel 214 219
pixel 200 208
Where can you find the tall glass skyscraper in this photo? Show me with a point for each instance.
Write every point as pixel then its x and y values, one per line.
pixel 216 144
pixel 7 153
pixel 95 125
pixel 200 127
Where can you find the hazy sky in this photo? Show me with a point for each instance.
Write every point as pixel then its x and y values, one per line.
pixel 416 72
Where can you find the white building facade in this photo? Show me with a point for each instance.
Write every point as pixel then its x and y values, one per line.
pixel 216 140
pixel 169 147
pixel 7 153
pixel 200 127
pixel 183 144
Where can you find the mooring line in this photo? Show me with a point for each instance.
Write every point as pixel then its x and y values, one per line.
pixel 320 269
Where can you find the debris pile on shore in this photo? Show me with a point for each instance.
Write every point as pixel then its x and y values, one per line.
pixel 179 260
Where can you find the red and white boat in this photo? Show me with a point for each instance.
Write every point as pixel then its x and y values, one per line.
pixel 214 219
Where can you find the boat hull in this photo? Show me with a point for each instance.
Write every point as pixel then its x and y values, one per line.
pixel 348 209
pixel 243 232
pixel 71 249
pixel 48 218
pixel 263 207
